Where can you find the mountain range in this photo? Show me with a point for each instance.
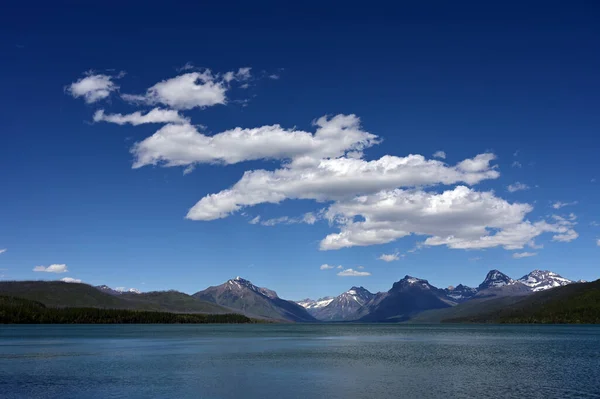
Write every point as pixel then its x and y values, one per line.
pixel 411 296
pixel 409 299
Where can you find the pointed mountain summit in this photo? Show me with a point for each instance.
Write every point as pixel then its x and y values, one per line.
pixel 345 306
pixel 495 279
pixel 407 297
pixel 541 280
pixel 241 294
pixel 460 293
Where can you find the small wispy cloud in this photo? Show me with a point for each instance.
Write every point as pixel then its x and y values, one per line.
pixel 517 187
pixel 274 76
pixel 475 259
pixel 439 154
pixel 516 164
pixel 51 269
pixel 533 245
pixel 520 255
pixel 2 250
pixel 389 257
pixel 339 267
pixel 325 266
pixel 255 220
pixel 598 242
pixel 93 87
pixel 307 218
pixel 559 204
pixel 353 273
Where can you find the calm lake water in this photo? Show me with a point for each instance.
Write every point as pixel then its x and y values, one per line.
pixel 299 361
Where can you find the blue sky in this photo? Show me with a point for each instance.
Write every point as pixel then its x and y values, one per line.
pixel 363 99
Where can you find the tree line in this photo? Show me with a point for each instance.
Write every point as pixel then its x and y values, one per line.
pixel 23 311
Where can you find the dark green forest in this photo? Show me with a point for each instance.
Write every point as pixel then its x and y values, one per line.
pixel 23 311
pixel 572 304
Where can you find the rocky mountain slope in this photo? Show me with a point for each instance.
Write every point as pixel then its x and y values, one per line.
pixel 345 306
pixel 240 294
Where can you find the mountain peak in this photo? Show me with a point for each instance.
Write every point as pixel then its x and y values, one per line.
pixel 239 283
pixel 410 282
pixel 495 278
pixel 357 290
pixel 540 280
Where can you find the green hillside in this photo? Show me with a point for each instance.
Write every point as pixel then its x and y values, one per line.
pixel 471 308
pixel 61 294
pixel 23 311
pixel 574 303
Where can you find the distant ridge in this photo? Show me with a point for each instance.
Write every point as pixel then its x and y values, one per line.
pixel 242 295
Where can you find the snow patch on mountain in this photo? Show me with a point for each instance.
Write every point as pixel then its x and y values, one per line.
pixel 541 280
pixel 315 304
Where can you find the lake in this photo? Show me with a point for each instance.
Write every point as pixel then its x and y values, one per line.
pixel 299 361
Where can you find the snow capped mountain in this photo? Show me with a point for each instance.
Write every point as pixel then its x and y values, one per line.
pixel 131 290
pixel 460 293
pixel 117 291
pixel 495 279
pixel 345 306
pixel 409 282
pixel 540 280
pixel 241 294
pixel 239 283
pixel 315 304
pixel 407 297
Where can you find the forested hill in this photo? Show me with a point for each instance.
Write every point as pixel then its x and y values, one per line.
pixel 574 303
pixel 23 311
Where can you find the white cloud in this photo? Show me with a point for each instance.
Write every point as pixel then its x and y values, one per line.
pixel 516 164
pixel 70 280
pixel 360 267
pixel 180 145
pixel 326 267
pixel 389 257
pixel 187 91
pixel 93 87
pixel 475 259
pixel 255 220
pixel 598 242
pixel 2 251
pixel 558 204
pixel 352 273
pixel 340 267
pixel 533 245
pixel 51 269
pixel 188 170
pixel 337 179
pixel 274 221
pixel 439 154
pixel 520 255
pixel 460 218
pixel 156 115
pixel 307 218
pixel 188 66
pixel 517 187
pixel 241 75
pixel 567 236
pixel 274 76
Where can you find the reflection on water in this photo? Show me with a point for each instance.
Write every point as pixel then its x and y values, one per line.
pixel 299 361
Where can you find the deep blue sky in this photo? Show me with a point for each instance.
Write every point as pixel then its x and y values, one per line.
pixel 519 79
